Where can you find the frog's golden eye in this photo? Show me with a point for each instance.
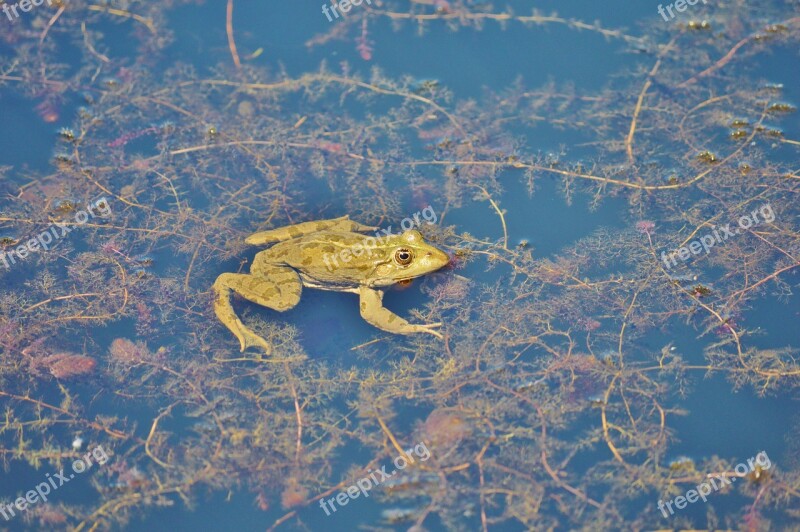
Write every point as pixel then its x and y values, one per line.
pixel 403 256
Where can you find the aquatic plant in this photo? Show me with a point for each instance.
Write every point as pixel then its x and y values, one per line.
pixel 547 403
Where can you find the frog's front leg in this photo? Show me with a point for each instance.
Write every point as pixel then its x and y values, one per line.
pixel 373 311
pixel 276 287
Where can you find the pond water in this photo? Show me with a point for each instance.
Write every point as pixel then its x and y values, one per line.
pixel 614 339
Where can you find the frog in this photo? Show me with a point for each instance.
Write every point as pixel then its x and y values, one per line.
pixel 333 255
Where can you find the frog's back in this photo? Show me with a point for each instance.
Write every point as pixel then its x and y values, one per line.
pixel 331 256
pixel 290 232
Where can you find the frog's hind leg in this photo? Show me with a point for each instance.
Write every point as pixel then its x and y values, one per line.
pixel 275 287
pixel 289 232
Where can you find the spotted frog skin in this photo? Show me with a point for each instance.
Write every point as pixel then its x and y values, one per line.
pixel 328 255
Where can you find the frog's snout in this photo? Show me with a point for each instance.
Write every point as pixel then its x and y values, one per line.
pixel 437 257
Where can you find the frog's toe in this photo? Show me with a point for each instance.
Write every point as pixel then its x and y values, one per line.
pixel 428 328
pixel 253 340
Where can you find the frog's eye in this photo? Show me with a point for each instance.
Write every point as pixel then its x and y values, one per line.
pixel 403 256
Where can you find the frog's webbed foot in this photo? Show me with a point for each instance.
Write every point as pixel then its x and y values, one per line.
pixel 289 232
pixel 373 311
pixel 279 292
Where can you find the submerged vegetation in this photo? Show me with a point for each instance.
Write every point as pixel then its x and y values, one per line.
pixel 549 400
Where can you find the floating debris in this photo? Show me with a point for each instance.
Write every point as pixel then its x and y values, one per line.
pixel 66 365
pixel 7 241
pixel 445 427
pixel 127 352
pixel 706 157
pixel 66 134
pixel 700 290
pixel 413 481
pixel 65 206
pixel 702 25
pixel 293 494
pixel 399 515
pixel 682 463
pixel 597 400
pixel 781 107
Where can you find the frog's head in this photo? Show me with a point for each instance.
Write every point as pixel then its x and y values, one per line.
pixel 408 256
